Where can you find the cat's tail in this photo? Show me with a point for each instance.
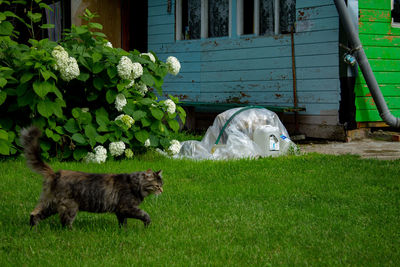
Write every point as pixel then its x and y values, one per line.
pixel 30 142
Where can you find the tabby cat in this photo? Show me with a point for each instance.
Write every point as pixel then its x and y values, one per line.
pixel 67 192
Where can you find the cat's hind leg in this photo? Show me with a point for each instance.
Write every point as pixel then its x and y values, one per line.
pixel 42 211
pixel 67 210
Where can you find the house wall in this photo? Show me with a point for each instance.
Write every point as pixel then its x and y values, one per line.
pixel 258 70
pixel 381 43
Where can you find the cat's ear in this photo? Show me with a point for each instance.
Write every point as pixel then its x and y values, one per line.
pixel 159 172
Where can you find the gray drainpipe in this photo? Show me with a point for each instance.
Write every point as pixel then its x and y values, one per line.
pixel 363 62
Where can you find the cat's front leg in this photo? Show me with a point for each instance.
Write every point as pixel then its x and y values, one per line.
pixel 122 221
pixel 135 212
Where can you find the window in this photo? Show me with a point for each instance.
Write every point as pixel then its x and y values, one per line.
pixel 218 15
pixel 396 12
pixel 197 19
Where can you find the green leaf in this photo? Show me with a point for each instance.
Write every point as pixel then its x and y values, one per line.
pixel 91 133
pixel 27 76
pixel 47 26
pixel 79 153
pixel 147 79
pixel 102 117
pixel 97 67
pixel 174 125
pixel 46 74
pixel 45 108
pixel 56 137
pixel 98 83
pixel 145 122
pixel 96 57
pixel 3 97
pixel 85 118
pixel 79 138
pixel 49 133
pixel 112 72
pixel 101 139
pixel 45 146
pixel 100 34
pixel 146 101
pixel 110 96
pixel 96 25
pixel 71 126
pixel 76 112
pixel 157 113
pixel 83 76
pixel 42 88
pixel 3 135
pixel 81 29
pixel 43 5
pixel 154 140
pixel 35 17
pixel 3 82
pixel 138 115
pixel 142 135
pixel 6 29
pixel 4 148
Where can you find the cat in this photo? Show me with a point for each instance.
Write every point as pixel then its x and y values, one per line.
pixel 66 192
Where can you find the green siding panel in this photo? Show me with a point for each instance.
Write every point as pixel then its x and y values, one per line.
pixel 381 42
pixel 374 4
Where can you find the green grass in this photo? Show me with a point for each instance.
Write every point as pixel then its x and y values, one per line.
pixel 297 210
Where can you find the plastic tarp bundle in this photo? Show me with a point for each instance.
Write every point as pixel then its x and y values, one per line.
pixel 248 132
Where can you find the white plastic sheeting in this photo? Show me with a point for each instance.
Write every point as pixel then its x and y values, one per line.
pixel 251 133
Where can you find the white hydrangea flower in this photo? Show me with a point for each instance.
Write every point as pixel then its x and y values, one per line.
pixel 150 55
pixel 108 44
pixel 175 147
pixel 125 68
pixel 90 157
pixel 137 70
pixel 128 70
pixel 126 119
pixel 116 148
pixel 171 107
pixel 120 102
pixel 142 88
pixel 99 155
pixel 147 143
pixel 69 69
pixel 173 65
pixel 68 66
pixel 128 153
pixel 59 53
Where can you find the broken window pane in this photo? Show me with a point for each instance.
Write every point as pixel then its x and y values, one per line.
pixel 194 14
pixel 287 15
pixel 218 16
pixel 266 17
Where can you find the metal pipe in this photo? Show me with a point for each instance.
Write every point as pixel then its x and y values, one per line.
pixel 365 67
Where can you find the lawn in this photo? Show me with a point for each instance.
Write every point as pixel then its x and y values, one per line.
pixel 297 210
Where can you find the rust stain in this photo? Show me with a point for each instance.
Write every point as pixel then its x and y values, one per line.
pixel 243 94
pixel 278 95
pixel 181 97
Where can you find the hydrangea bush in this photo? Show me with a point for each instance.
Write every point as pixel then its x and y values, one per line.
pixel 86 96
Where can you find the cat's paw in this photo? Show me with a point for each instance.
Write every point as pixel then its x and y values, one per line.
pixel 146 221
pixel 33 221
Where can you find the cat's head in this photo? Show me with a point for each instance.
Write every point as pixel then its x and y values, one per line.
pixel 152 183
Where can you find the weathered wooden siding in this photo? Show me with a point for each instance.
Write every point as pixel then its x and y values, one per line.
pixel 381 42
pixel 258 70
